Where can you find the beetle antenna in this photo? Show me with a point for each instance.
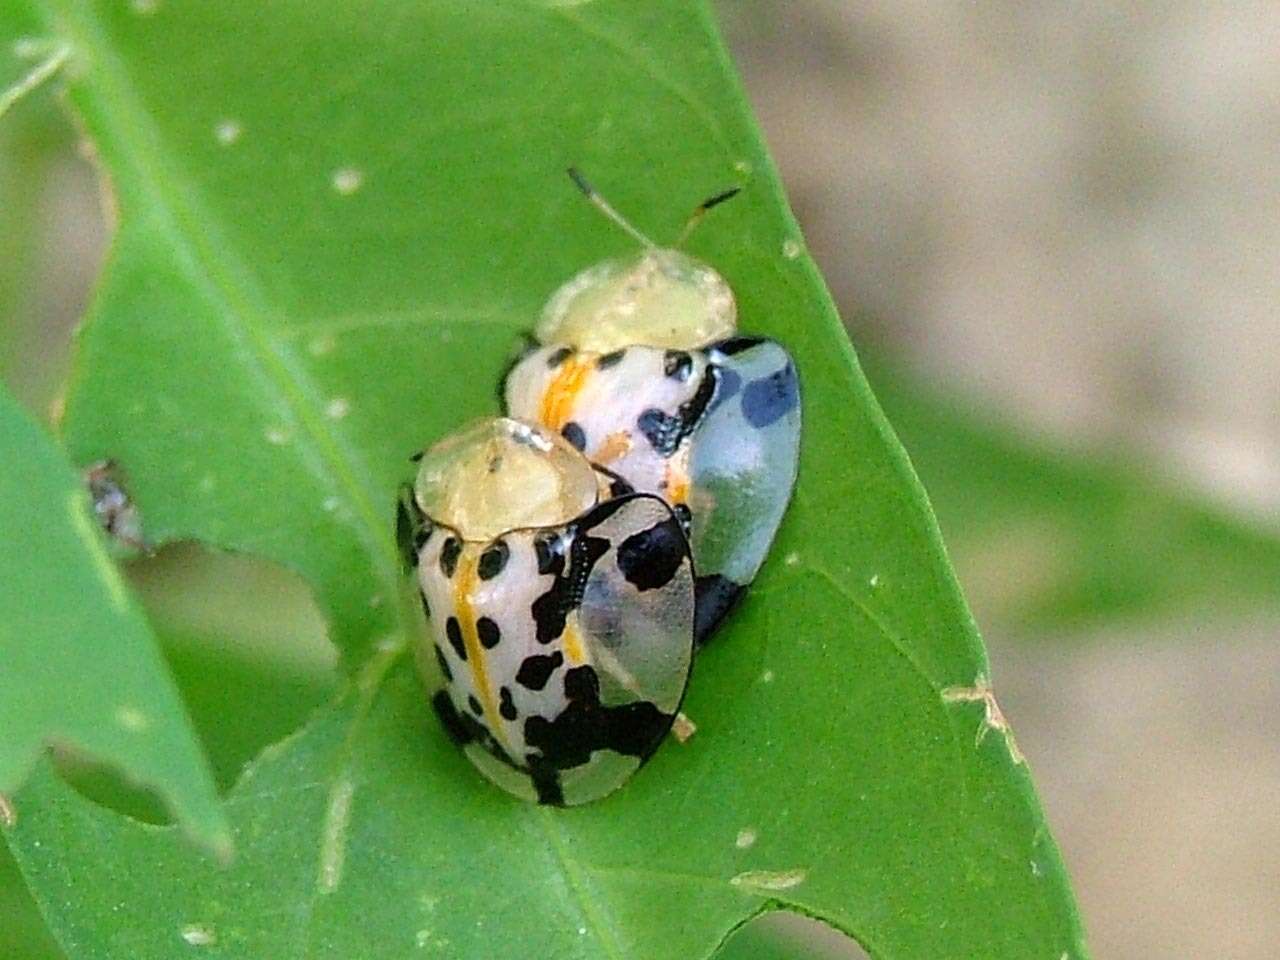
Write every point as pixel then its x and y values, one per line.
pixel 701 209
pixel 603 205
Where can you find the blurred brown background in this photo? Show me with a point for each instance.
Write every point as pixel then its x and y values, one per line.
pixel 1062 215
pixel 1071 213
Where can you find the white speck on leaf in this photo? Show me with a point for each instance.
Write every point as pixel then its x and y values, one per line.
pixel 790 248
pixel 28 48
pixel 375 601
pixel 746 837
pixel 874 581
pixel 333 842
pixel 321 345
pixel 8 813
pixel 144 7
pixel 992 719
pixel 791 559
pixel 766 677
pixel 331 504
pixel 198 936
pixel 227 132
pixel 683 728
pixel 277 435
pixel 338 408
pixel 131 718
pixel 769 880
pixel 347 180
pixel 743 167
pixel 582 931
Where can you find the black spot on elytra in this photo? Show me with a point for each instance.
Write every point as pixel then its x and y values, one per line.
pixel 714 597
pixel 665 431
pixel 449 557
pixel 506 705
pixel 650 558
pixel 454 632
pixel 404 537
pixel 618 485
pixel 463 728
pixel 548 549
pixel 677 365
pixel 426 606
pixel 575 435
pixel 558 357
pixel 552 608
pixel 546 781
pixel 549 613
pixel 443 662
pixel 581 683
pixel 662 430
pixel 599 514
pixel 536 670
pixel 493 560
pixel 487 630
pixel 413 529
pixel 460 728
pixel 692 410
pixel 732 345
pixel 474 704
pixel 610 359
pixel 770 398
pixel 632 729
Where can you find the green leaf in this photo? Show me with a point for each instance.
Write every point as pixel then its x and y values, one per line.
pixel 23 935
pixel 1048 541
pixel 81 667
pixel 334 226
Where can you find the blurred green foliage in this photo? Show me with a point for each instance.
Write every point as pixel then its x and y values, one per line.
pixel 1051 544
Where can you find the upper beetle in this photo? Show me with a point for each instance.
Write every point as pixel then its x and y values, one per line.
pixel 639 365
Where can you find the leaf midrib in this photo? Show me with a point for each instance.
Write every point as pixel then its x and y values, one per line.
pixel 227 283
pixel 173 204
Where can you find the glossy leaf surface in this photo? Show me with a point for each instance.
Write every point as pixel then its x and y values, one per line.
pixel 333 229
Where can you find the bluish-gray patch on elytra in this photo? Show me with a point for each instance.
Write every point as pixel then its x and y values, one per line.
pixel 770 398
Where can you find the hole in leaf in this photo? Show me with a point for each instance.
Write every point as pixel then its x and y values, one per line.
pixel 246 643
pixel 54 239
pixel 247 646
pixel 104 784
pixel 783 935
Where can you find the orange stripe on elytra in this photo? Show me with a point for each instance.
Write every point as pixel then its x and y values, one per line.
pixel 676 480
pixel 464 587
pixel 558 399
pixel 573 641
pixel 614 447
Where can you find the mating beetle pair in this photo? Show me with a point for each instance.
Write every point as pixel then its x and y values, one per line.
pixel 570 558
